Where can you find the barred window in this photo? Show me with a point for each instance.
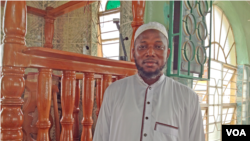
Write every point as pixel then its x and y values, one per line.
pixel 218 96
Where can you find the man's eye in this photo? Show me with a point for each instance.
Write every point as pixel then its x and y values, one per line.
pixel 159 47
pixel 142 47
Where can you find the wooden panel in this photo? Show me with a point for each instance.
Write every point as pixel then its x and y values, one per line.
pixel 67 102
pixel 68 7
pixel 28 109
pixel 44 90
pixel 87 106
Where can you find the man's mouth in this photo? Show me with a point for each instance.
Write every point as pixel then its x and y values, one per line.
pixel 150 63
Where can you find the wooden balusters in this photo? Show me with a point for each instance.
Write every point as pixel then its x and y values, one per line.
pixel 76 111
pixel 48 29
pixel 12 81
pixel 55 90
pixel 138 14
pixel 87 106
pixel 12 87
pixel 67 102
pixel 44 90
pixel 107 80
pixel 98 95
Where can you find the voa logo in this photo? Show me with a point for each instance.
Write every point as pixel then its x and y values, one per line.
pixel 236 132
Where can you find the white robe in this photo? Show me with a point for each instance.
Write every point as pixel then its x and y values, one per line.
pixel 164 111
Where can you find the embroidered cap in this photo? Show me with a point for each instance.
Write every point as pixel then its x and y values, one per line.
pixel 151 25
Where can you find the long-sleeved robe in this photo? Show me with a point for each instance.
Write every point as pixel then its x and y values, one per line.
pixel 164 111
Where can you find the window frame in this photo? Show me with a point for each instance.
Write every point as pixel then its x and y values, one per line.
pixel 102 41
pixel 206 103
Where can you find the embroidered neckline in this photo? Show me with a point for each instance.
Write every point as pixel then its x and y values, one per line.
pixel 162 77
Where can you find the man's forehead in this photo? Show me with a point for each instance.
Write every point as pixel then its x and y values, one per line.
pixel 152 34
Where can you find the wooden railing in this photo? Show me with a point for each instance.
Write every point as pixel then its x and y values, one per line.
pixel 47 60
pixel 16 57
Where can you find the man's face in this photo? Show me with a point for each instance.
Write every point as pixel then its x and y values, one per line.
pixel 150 53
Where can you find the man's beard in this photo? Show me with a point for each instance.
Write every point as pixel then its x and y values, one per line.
pixel 149 75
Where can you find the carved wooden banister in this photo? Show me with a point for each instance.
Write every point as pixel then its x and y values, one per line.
pixel 12 82
pixel 38 57
pixel 29 107
pixel 87 106
pixel 44 93
pixel 107 80
pixel 67 102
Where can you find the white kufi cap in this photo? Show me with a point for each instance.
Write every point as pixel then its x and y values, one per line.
pixel 151 25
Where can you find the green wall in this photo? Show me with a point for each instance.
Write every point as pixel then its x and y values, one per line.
pixel 157 11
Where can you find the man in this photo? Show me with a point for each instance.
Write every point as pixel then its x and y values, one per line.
pixel 149 106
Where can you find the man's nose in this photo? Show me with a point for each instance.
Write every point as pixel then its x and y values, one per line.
pixel 150 51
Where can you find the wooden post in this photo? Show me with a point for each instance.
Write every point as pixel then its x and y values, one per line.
pixel 48 28
pixel 12 81
pixel 87 106
pixel 12 87
pixel 138 14
pixel 98 94
pixel 76 111
pixel 44 91
pixel 67 102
